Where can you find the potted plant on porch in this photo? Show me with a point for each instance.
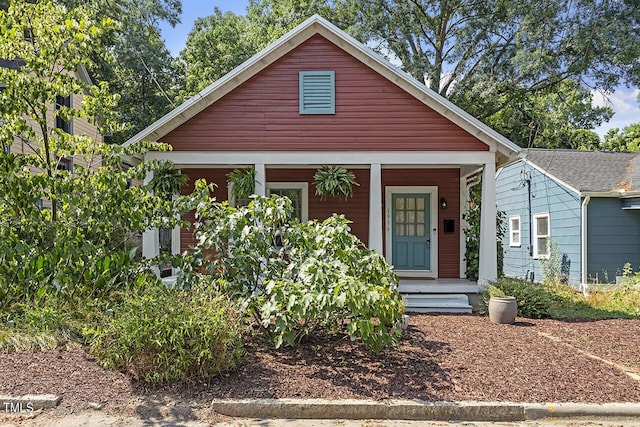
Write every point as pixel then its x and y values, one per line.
pixel 502 308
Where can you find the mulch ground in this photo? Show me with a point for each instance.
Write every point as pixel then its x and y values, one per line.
pixel 440 358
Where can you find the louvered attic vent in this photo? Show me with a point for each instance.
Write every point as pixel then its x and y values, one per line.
pixel 317 92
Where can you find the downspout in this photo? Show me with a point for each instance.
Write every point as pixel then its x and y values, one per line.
pixel 583 242
pixel 528 181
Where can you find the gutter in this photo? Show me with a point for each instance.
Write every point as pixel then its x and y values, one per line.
pixel 583 241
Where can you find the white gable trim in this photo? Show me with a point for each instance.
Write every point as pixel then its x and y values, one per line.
pixel 310 27
pixel 553 177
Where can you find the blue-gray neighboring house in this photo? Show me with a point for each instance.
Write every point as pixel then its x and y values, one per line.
pixel 588 202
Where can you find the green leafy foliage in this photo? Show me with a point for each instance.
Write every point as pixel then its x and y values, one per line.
pixel 165 335
pixel 551 266
pixel 65 235
pixel 167 180
pixel 495 292
pixel 334 181
pixel 139 68
pixel 299 279
pixel 472 234
pixel 216 45
pixel 243 182
pixel 560 116
pixel 625 139
pixel 533 299
pixel 562 301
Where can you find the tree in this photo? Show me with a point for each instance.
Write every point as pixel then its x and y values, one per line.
pixel 141 70
pixel 559 117
pixel 466 48
pixel 84 245
pixel 220 42
pixel 497 55
pixel 274 18
pixel 216 45
pixel 627 139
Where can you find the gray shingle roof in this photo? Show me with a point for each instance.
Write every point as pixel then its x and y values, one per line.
pixel 589 171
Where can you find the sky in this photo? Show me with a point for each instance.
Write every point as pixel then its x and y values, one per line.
pixel 624 101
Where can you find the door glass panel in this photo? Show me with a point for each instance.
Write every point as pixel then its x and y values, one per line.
pixel 420 217
pixel 399 230
pixel 400 217
pixel 411 217
pixel 420 204
pixel 420 230
pixel 411 230
pixel 411 203
pixel 399 203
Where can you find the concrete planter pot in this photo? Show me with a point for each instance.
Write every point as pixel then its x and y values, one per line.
pixel 503 310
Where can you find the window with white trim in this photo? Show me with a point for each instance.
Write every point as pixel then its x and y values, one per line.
pixel 514 231
pixel 317 91
pixel 541 235
pixel 63 102
pixel 297 192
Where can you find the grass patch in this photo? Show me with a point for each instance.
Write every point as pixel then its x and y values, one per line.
pixel 558 301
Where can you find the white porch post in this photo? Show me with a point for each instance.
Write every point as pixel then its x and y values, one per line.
pixel 375 208
pixel 261 179
pixel 488 270
pixel 151 237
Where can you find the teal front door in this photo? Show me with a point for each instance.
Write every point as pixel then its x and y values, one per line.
pixel 411 242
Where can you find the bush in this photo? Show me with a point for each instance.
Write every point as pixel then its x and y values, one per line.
pixel 299 279
pixel 168 334
pixel 534 300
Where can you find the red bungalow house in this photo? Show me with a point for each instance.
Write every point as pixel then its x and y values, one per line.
pixel 411 150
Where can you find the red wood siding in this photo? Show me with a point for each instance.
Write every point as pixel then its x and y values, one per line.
pixel 355 209
pixel 217 176
pixel 448 183
pixel 372 113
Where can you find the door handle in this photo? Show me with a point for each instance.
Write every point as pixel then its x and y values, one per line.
pixel 429 243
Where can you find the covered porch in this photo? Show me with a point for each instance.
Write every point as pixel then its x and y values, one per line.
pixel 382 175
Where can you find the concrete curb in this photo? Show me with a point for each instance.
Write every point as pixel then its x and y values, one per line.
pixel 416 410
pixel 28 402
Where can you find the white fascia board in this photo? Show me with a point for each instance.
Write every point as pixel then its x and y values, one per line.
pixel 547 174
pixel 416 158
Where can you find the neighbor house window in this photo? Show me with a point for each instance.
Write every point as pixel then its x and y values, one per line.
pixel 317 92
pixel 514 231
pixel 65 163
pixel 63 101
pixel 541 235
pixel 297 192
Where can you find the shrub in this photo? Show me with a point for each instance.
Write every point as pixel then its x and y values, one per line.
pixel 299 279
pixel 169 334
pixel 534 300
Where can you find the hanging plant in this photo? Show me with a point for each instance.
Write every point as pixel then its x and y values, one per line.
pixel 244 182
pixel 334 181
pixel 167 180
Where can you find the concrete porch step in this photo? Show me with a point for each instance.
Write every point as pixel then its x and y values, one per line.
pixel 437 303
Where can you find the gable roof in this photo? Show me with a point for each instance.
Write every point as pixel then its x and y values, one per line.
pixel 293 39
pixel 589 171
